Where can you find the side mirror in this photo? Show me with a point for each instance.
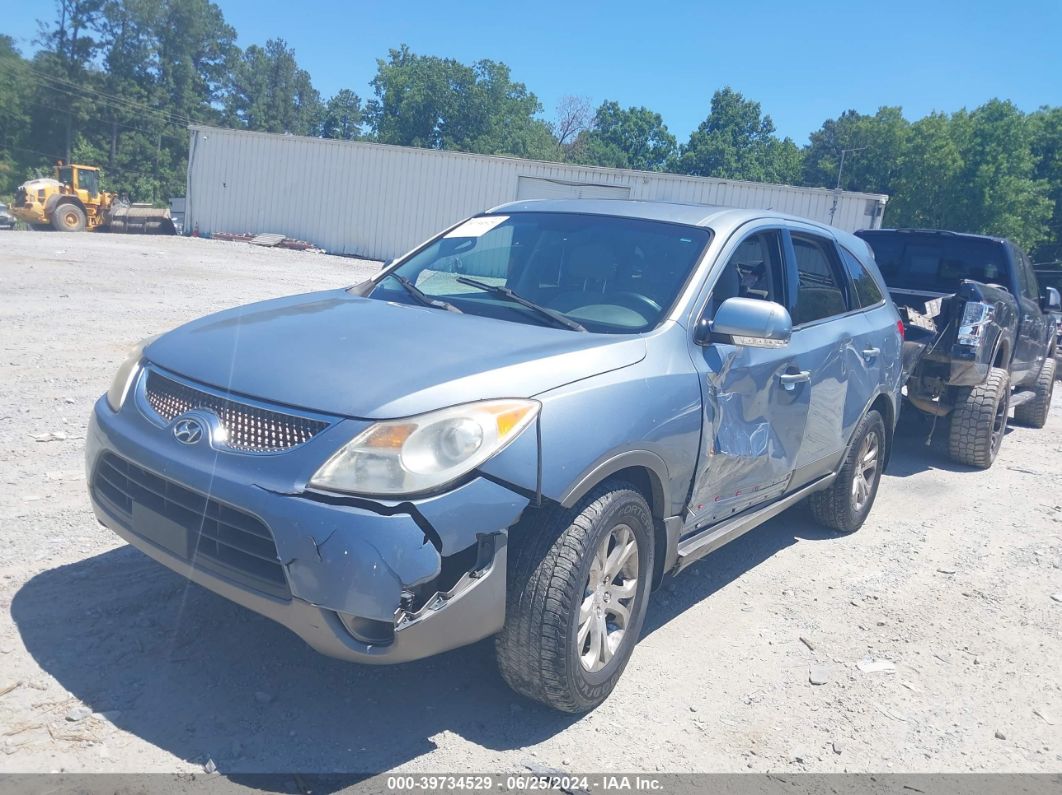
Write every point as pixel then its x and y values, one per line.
pixel 1052 300
pixel 749 322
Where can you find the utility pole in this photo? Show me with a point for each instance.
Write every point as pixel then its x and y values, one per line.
pixel 840 171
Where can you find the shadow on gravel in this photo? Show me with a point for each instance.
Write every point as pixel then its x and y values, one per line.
pixel 205 679
pixel 911 454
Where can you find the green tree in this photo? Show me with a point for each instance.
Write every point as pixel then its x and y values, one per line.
pixel 271 93
pixel 873 149
pixel 15 99
pixel 626 138
pixel 737 141
pixel 1045 133
pixel 927 177
pixel 69 46
pixel 342 116
pixel 999 193
pixel 439 103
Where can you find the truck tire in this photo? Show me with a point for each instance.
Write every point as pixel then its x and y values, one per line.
pixel 578 586
pixel 979 420
pixel 1034 413
pixel 68 218
pixel 845 504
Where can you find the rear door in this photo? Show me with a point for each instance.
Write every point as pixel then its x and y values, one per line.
pixel 753 422
pixel 829 345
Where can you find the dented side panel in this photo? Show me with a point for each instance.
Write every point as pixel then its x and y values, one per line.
pixel 752 431
pixel 348 559
pixel 479 506
pixel 652 406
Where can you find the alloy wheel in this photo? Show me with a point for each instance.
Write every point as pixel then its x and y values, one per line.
pixel 867 463
pixel 608 598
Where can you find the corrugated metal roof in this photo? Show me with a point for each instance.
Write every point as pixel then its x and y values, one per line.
pixel 379 200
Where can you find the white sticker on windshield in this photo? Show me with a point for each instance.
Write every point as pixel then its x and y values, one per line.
pixel 477 227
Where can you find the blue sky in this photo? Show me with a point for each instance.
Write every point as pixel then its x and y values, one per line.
pixel 804 62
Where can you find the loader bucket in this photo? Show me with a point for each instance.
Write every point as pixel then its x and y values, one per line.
pixel 140 220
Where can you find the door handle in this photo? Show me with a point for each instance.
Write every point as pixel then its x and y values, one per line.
pixel 871 353
pixel 790 380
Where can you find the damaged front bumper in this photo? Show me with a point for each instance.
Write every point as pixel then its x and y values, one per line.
pixel 366 581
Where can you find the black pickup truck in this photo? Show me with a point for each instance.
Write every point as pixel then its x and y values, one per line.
pixel 1049 274
pixel 977 337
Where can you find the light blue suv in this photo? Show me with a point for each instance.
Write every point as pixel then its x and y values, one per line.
pixel 516 430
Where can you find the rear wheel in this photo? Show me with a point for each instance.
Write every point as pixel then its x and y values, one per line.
pixel 1034 413
pixel 845 504
pixel 577 595
pixel 979 420
pixel 68 218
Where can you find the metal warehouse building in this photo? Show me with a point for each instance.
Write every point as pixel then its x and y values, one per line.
pixel 379 201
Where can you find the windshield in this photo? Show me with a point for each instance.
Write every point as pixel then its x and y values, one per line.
pixel 89 181
pixel 936 263
pixel 611 275
pixel 66 175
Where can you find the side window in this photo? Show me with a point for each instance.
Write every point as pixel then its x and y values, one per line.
pixel 867 292
pixel 754 270
pixel 819 293
pixel 1028 275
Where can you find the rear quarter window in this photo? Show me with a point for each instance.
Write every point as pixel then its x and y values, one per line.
pixel 867 292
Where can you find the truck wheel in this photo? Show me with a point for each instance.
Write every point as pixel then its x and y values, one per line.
pixel 68 218
pixel 1034 413
pixel 845 504
pixel 577 593
pixel 979 420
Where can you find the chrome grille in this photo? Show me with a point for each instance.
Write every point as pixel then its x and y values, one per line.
pixel 250 429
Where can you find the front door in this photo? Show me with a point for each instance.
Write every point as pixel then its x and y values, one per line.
pixel 1029 348
pixel 755 402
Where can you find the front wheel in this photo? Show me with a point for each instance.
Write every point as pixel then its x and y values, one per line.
pixel 1034 413
pixel 577 595
pixel 845 504
pixel 68 218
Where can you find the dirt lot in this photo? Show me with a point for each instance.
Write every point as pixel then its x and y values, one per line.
pixel 108 662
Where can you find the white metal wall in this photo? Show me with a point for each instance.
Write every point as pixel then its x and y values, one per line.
pixel 379 201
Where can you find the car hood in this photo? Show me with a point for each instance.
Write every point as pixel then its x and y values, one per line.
pixel 338 353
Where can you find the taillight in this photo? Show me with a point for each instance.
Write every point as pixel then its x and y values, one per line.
pixel 900 328
pixel 975 316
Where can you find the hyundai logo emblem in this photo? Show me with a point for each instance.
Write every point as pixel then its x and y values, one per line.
pixel 188 431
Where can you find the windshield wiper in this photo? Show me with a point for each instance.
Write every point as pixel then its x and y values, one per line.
pixel 552 315
pixel 422 296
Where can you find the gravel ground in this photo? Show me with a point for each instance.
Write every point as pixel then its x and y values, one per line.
pixel 110 663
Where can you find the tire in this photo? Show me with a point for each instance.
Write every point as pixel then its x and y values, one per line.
pixel 844 506
pixel 555 562
pixel 979 420
pixel 1034 413
pixel 68 218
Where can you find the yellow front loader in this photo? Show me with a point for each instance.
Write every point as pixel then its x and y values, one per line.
pixel 72 201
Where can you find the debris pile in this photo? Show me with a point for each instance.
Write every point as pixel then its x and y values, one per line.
pixel 268 240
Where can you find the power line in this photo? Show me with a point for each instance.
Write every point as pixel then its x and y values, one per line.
pixel 114 101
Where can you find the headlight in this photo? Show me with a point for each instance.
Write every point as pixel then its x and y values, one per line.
pixel 417 454
pixel 126 374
